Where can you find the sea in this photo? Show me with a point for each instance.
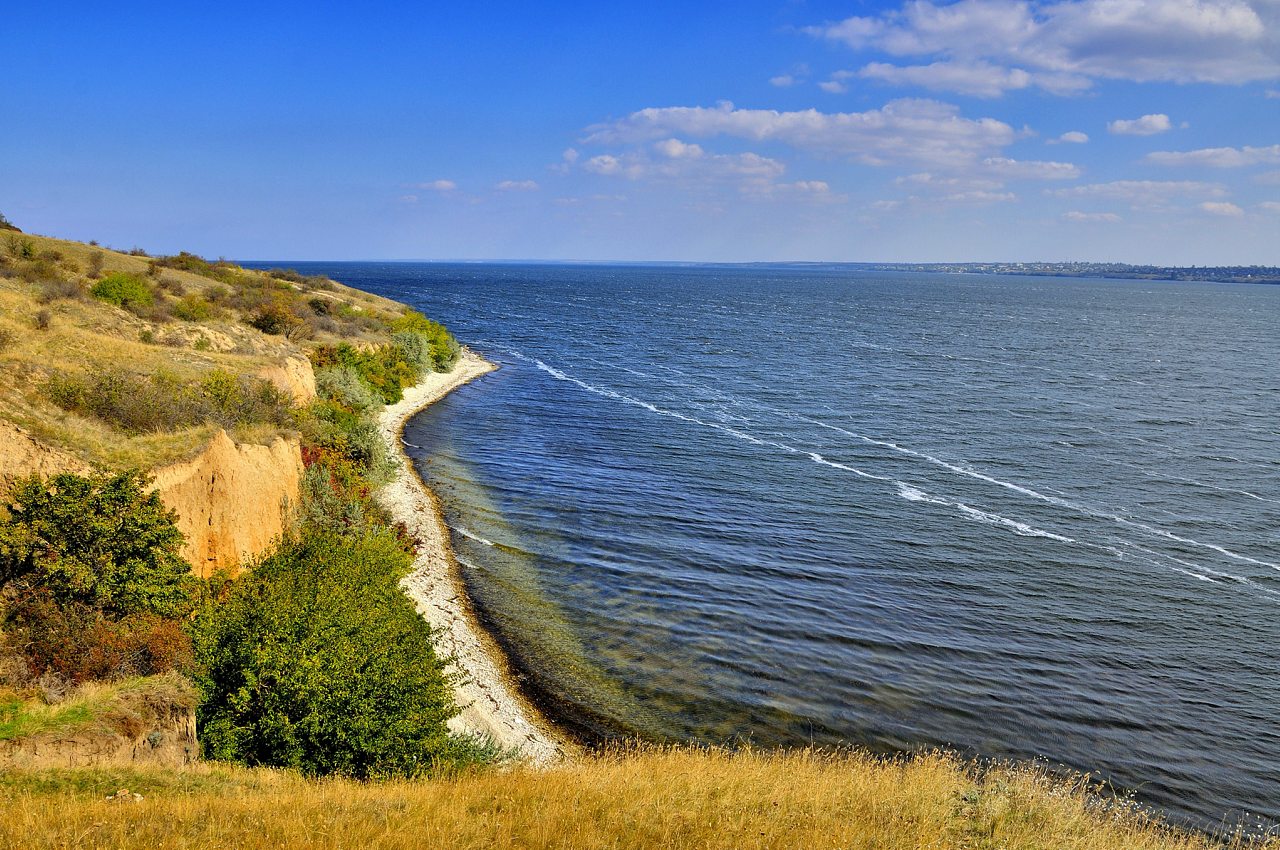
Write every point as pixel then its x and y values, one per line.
pixel 1013 517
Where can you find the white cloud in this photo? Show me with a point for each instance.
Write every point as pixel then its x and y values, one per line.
pixel 1272 94
pixel 1180 41
pixel 1147 125
pixel 928 181
pixel 1091 216
pixel 437 186
pixel 797 74
pixel 1014 169
pixel 1142 192
pixel 978 196
pixel 676 149
pixel 922 131
pixel 1222 208
pixel 517 186
pixel 1269 206
pixel 978 79
pixel 1073 137
pixel 687 164
pixel 1218 157
pixel 833 87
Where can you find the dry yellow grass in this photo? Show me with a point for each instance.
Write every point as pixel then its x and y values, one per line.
pixel 89 336
pixel 676 798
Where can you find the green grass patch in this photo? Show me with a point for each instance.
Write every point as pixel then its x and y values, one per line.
pixel 124 290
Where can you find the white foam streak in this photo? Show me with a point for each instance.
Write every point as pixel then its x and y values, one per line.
pixel 1044 497
pixel 915 494
pixel 468 533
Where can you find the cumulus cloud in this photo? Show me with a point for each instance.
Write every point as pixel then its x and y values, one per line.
pixel 1072 42
pixel 1218 157
pixel 1147 125
pixel 1224 208
pixel 1075 215
pixel 833 87
pixel 517 186
pixel 919 131
pixel 437 186
pixel 1142 192
pixel 1072 137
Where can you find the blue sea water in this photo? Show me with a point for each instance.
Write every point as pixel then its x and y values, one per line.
pixel 1021 517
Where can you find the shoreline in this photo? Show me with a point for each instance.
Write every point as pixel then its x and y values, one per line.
pixel 491 702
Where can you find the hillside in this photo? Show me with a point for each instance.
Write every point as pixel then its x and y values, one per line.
pixel 187 320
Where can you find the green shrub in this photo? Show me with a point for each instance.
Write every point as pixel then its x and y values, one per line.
pixel 100 540
pixel 124 290
pixel 316 660
pixel 20 247
pixel 343 385
pixel 192 308
pixel 384 369
pixel 138 404
pixel 442 349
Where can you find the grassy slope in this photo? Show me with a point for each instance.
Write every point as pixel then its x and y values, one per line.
pixel 87 335
pixel 93 708
pixel 660 798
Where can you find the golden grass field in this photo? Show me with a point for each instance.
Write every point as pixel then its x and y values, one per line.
pixel 659 798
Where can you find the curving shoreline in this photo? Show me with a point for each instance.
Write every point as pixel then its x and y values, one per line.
pixel 491 703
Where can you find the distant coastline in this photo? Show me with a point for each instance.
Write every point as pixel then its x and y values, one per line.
pixel 1114 271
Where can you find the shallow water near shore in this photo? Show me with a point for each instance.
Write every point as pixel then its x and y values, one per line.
pixel 1018 516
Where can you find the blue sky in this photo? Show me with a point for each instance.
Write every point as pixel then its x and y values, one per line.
pixel 1115 130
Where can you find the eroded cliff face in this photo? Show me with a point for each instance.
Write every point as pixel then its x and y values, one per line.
pixel 295 376
pixel 165 740
pixel 232 500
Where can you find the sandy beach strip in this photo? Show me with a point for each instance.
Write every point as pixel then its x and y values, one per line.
pixel 490 702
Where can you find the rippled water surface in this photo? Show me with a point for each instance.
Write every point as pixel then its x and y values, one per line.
pixel 1017 516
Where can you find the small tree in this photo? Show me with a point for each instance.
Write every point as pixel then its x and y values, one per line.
pixel 99 540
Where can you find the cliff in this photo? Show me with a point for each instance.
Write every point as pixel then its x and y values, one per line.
pixel 232 500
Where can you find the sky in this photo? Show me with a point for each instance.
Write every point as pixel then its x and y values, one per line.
pixel 1144 131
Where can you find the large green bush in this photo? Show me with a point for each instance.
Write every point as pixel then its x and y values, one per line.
pixel 441 349
pixel 101 540
pixel 316 660
pixel 124 290
pixel 92 580
pixel 384 368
